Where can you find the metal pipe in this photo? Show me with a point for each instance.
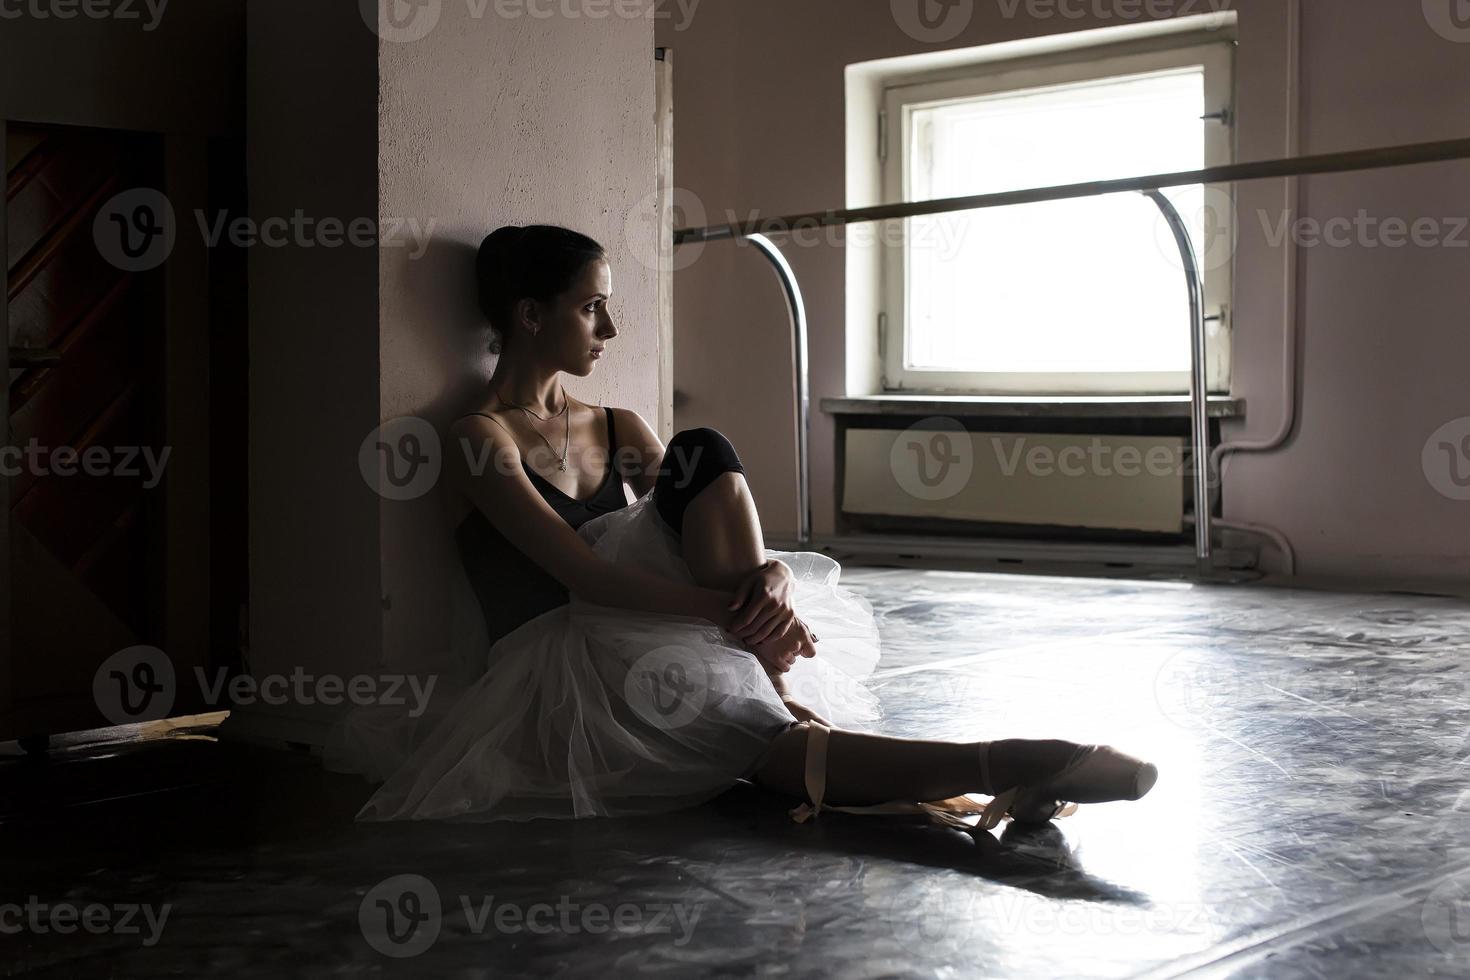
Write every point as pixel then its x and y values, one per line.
pixel 1326 163
pixel 801 370
pixel 1199 391
pixel 1371 159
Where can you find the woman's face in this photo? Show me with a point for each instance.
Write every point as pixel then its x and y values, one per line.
pixel 576 326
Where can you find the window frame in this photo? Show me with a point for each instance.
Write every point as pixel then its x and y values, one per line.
pixel 1216 56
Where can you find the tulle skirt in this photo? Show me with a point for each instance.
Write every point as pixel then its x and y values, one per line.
pixel 593 711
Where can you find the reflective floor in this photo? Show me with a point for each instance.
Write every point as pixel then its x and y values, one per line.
pixel 1310 820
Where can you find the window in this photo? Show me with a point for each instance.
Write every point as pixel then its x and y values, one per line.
pixel 1084 296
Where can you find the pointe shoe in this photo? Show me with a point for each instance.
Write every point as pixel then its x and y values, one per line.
pixel 1094 774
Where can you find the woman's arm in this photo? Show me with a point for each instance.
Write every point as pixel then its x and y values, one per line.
pixel 763 610
pixel 640 451
pixel 506 496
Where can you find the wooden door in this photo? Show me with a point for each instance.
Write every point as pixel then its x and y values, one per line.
pixel 86 395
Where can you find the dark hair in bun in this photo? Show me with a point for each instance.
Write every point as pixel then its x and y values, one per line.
pixel 538 261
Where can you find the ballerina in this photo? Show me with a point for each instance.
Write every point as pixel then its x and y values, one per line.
pixel 647 656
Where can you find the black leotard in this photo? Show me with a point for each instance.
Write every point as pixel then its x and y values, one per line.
pixel 512 588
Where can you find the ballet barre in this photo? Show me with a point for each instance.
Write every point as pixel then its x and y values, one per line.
pixel 755 230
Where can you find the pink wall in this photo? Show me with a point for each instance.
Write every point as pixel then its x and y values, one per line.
pixel 759 102
pixel 488 121
pixel 482 121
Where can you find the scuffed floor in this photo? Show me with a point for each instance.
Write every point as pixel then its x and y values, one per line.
pixel 1310 820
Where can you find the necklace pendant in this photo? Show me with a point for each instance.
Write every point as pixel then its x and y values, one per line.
pixel 562 466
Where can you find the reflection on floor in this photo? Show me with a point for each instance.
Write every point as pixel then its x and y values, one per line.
pixel 1310 820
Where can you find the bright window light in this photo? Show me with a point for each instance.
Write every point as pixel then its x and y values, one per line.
pixel 1088 285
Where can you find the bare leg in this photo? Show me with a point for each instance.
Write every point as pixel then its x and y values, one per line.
pixel 721 538
pixel 864 769
pixel 722 543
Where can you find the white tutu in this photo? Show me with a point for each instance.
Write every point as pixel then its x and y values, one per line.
pixel 593 711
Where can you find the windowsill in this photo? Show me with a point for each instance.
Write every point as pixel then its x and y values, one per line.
pixel 1033 406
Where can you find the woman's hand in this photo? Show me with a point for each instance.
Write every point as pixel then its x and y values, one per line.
pixel 778 653
pixel 762 604
pixel 798 710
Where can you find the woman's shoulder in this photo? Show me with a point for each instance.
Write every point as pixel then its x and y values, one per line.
pixel 629 421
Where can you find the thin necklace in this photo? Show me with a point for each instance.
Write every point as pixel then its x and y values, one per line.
pixel 561 461
pixel 565 403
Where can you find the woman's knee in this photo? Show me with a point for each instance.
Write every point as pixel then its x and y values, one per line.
pixel 693 459
pixel 695 453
